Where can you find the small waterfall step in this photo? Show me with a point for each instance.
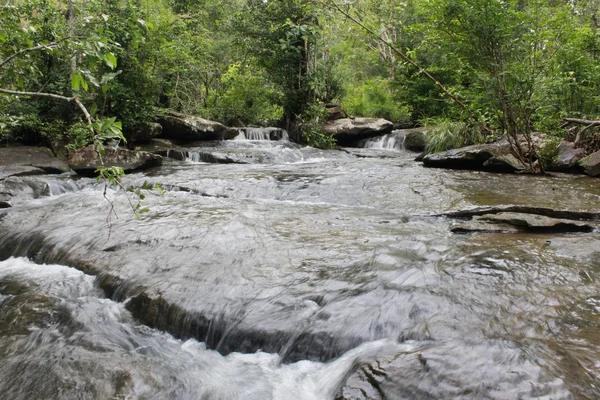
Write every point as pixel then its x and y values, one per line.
pixel 270 133
pixel 391 141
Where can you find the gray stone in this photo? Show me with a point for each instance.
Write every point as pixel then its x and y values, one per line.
pixel 85 160
pixel 506 162
pixel 538 223
pixel 27 160
pixel 591 164
pixel 469 157
pixel 567 157
pixel 189 128
pixel 347 129
pixel 145 132
pixel 415 140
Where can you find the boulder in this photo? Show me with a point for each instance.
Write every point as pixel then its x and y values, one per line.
pixel 144 132
pixel 591 164
pixel 335 112
pixel 346 130
pixel 189 128
pixel 27 160
pixel 85 160
pixel 567 157
pixel 469 157
pixel 415 140
pixel 507 163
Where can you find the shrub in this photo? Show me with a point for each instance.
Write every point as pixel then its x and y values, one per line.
pixel 443 134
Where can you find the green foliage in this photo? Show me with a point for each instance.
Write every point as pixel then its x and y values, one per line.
pixel 247 95
pixel 140 195
pixel 444 134
pixel 312 128
pixel 548 152
pixel 374 98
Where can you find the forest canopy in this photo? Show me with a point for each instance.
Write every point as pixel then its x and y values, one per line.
pixel 500 67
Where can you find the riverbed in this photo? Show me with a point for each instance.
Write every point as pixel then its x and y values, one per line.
pixel 300 274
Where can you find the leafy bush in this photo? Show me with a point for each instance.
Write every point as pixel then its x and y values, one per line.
pixel 374 99
pixel 312 127
pixel 443 134
pixel 245 95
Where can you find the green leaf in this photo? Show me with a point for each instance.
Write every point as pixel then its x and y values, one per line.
pixel 110 60
pixel 75 81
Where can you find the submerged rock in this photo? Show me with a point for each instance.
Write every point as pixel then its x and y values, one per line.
pixel 86 160
pixel 182 127
pixel 538 223
pixel 347 129
pixel 591 164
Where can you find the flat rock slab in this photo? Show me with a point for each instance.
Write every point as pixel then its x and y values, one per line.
pixel 539 223
pixel 86 160
pixel 37 158
pixel 347 129
pixel 182 127
pixel 483 227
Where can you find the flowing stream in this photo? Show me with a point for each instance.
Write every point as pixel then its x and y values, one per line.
pixel 299 274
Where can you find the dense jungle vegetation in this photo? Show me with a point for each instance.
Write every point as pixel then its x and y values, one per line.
pixel 75 70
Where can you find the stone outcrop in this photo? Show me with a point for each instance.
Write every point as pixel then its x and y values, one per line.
pixel 591 164
pixel 189 128
pixel 497 156
pixel 511 219
pixel 335 112
pixel 144 132
pixel 26 160
pixel 85 160
pixel 346 129
pixel 415 140
pixel 567 157
pixel 469 157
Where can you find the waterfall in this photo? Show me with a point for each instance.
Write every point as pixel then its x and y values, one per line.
pixel 262 134
pixel 391 141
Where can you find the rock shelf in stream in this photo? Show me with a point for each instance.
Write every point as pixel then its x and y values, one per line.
pixel 309 255
pixel 513 219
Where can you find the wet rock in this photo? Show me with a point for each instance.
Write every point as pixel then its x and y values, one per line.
pixel 438 372
pixel 335 112
pixel 591 164
pixel 214 157
pixel 347 129
pixel 145 132
pixel 482 227
pixel 158 146
pixel 27 160
pixel 549 212
pixel 182 127
pixel 567 157
pixel 538 223
pixel 469 157
pixel 85 160
pixel 505 163
pixel 415 140
pixel 232 133
pixel 7 171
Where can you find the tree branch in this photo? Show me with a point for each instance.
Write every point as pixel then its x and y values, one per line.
pixel 39 47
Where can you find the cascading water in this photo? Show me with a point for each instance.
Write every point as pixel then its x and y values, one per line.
pixel 251 133
pixel 391 141
pixel 302 274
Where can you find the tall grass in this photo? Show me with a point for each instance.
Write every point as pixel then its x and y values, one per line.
pixel 444 134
